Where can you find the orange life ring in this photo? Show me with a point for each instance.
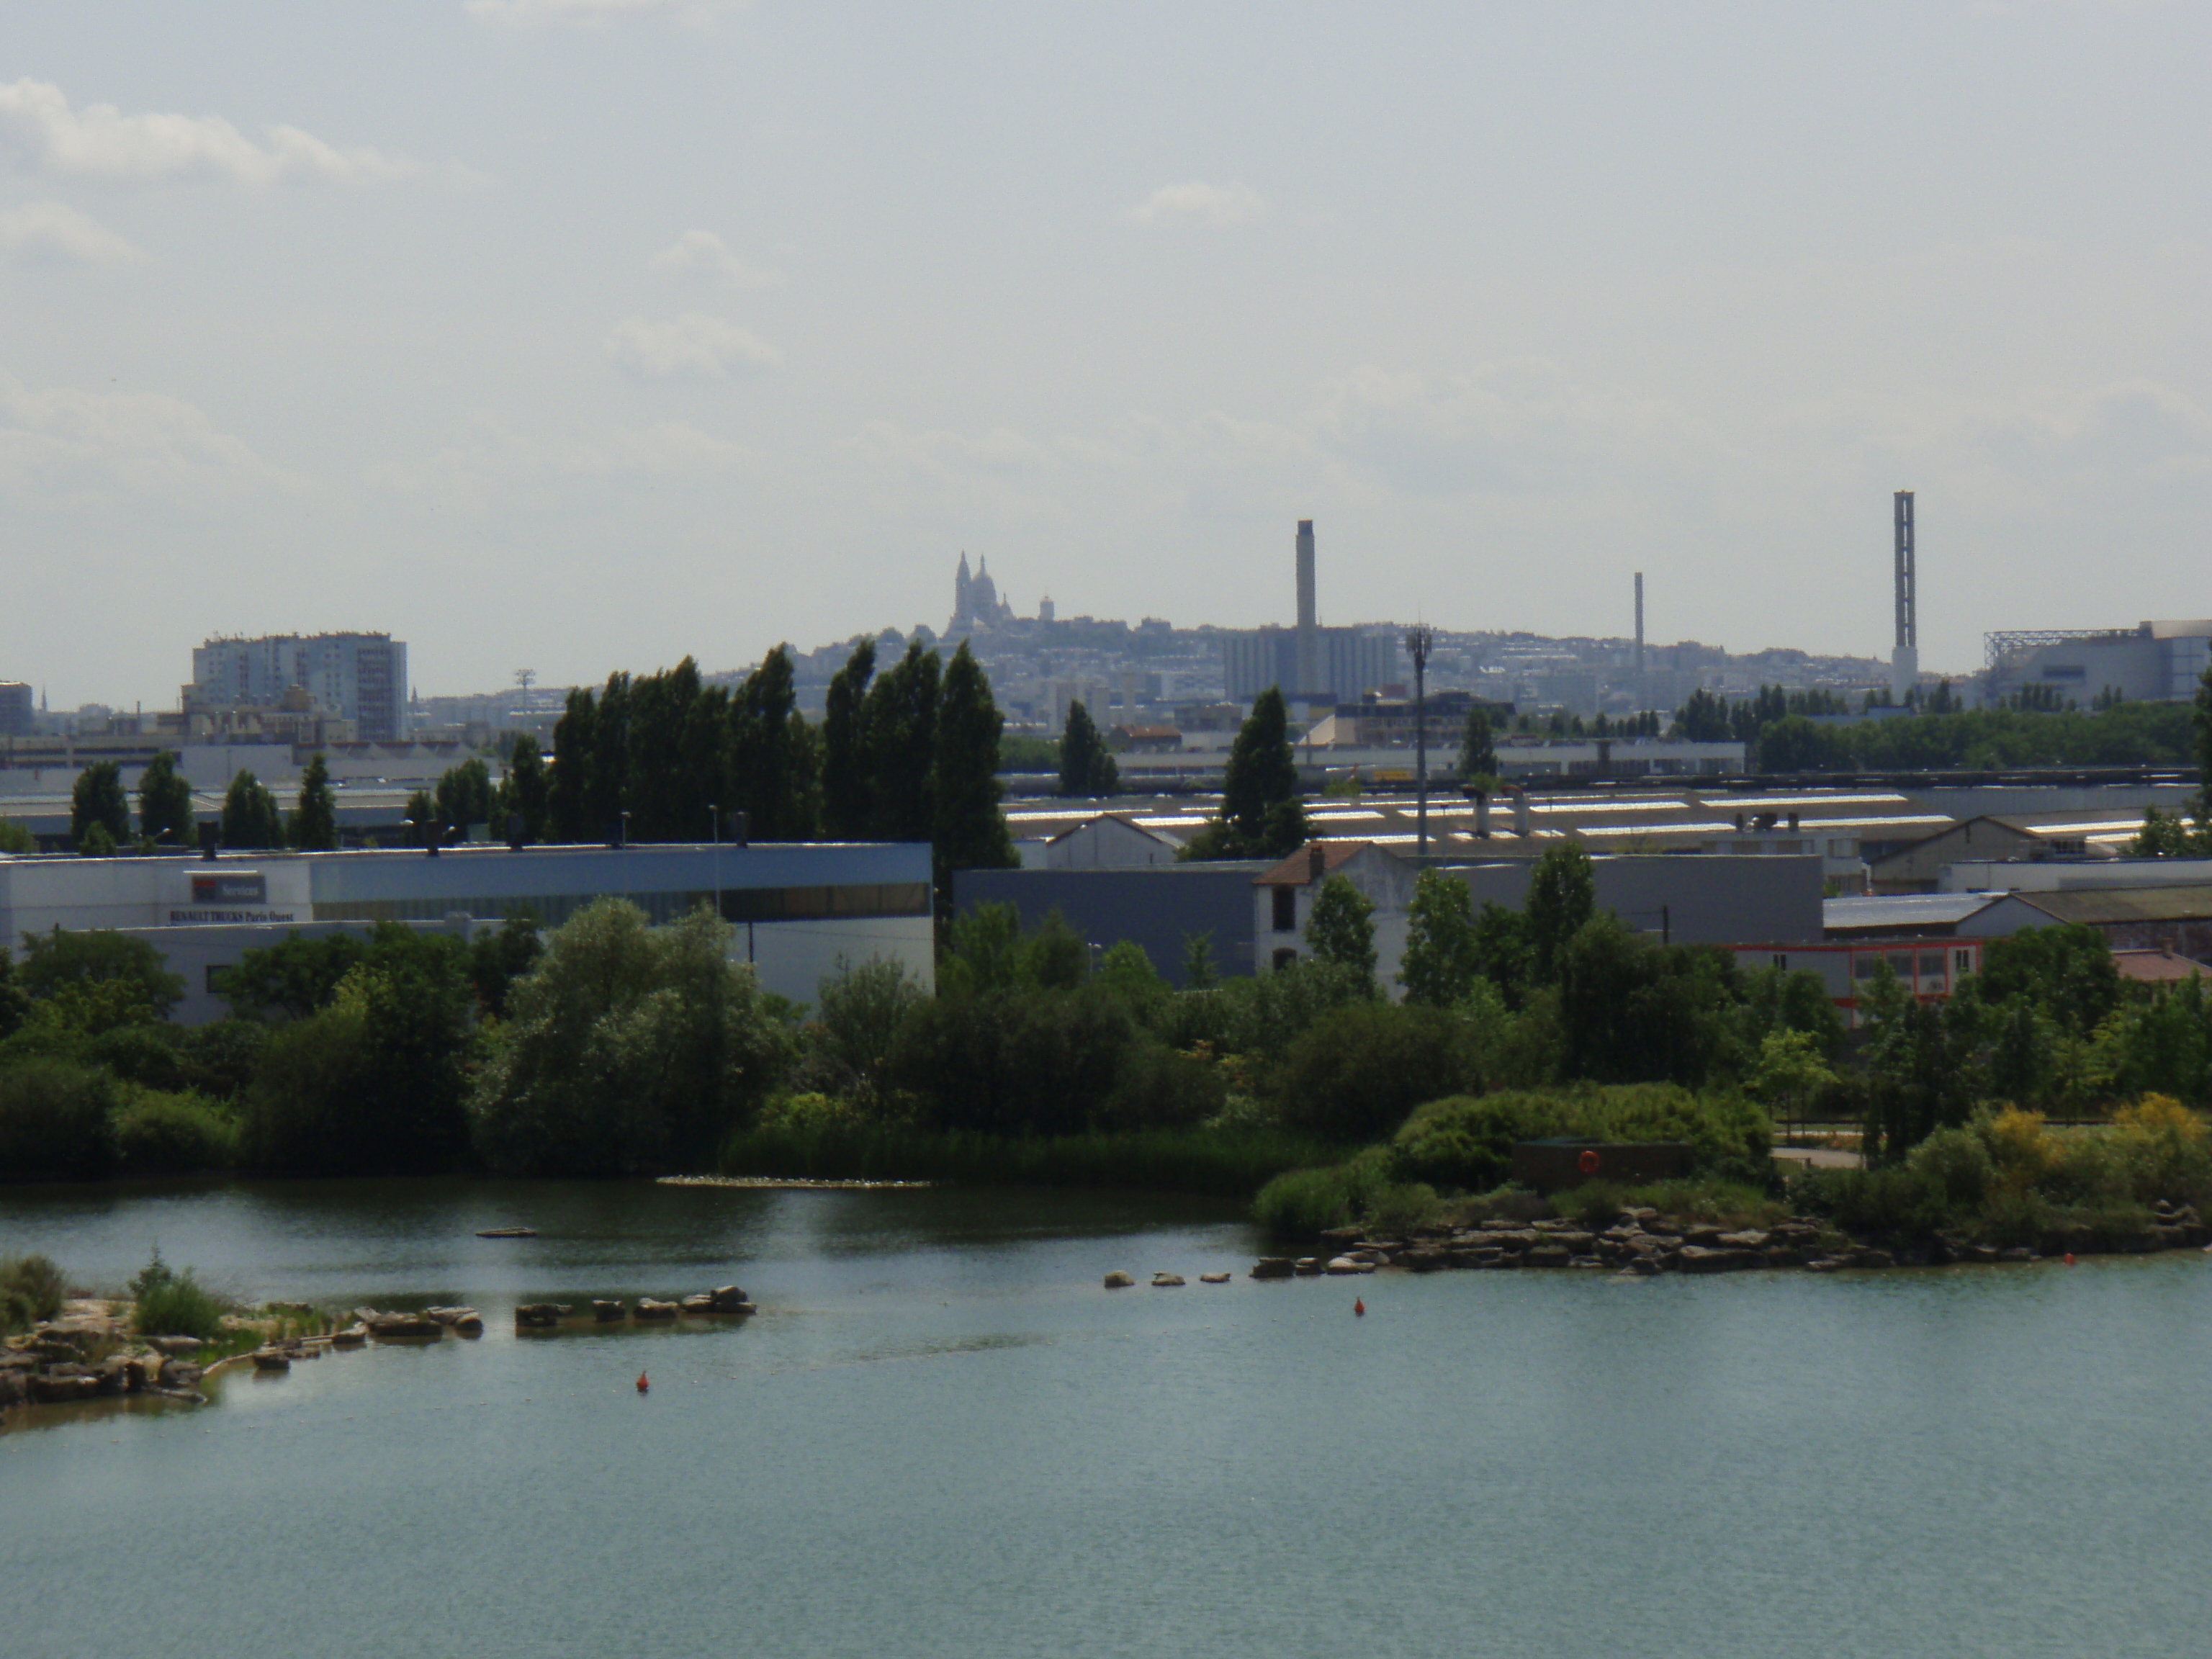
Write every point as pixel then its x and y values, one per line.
pixel 1587 1162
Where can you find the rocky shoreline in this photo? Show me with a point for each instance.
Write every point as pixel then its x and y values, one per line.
pixel 1642 1242
pixel 89 1352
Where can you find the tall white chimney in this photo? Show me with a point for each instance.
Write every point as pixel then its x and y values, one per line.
pixel 1905 656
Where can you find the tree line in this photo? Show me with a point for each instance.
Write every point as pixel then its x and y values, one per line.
pixel 101 819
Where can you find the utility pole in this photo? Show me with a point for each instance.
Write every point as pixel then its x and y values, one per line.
pixel 1419 640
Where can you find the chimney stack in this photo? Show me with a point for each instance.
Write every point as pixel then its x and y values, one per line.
pixel 1904 658
pixel 1639 636
pixel 1308 630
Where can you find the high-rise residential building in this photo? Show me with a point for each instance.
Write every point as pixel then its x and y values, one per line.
pixel 18 712
pixel 362 678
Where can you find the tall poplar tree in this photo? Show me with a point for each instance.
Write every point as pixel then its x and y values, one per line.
pixel 574 736
pixel 315 823
pixel 971 829
pixel 1260 816
pixel 1087 766
pixel 899 723
pixel 250 814
pixel 773 766
pixel 165 803
pixel 847 800
pixel 526 790
pixel 97 799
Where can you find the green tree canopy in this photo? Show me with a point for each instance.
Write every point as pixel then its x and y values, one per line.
pixel 526 792
pixel 1086 767
pixel 1341 927
pixel 315 823
pixel 465 794
pixel 97 801
pixel 1260 816
pixel 847 795
pixel 970 828
pixel 62 959
pixel 628 1050
pixel 251 817
pixel 1478 748
pixel 1562 898
pixel 165 803
pixel 1442 958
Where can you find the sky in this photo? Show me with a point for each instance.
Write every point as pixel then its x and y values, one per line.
pixel 582 334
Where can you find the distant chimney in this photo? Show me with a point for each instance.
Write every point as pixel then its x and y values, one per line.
pixel 1639 636
pixel 1309 641
pixel 1904 659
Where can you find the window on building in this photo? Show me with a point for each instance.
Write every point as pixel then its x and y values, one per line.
pixel 1901 963
pixel 1931 964
pixel 1286 957
pixel 1962 962
pixel 1286 909
pixel 1781 959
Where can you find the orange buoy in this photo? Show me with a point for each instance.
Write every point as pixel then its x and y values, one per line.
pixel 1587 1162
pixel 2069 1258
pixel 1359 1306
pixel 643 1385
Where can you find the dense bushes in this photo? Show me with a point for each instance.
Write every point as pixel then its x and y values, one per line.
pixel 1468 1143
pixel 628 1050
pixel 30 1290
pixel 1356 1072
pixel 166 1303
pixel 173 1134
pixel 55 1121
pixel 2006 1177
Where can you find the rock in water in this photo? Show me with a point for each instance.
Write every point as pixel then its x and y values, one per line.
pixel 539 1315
pixel 271 1359
pixel 1166 1281
pixel 1273 1267
pixel 728 1298
pixel 649 1309
pixel 607 1313
pixel 1118 1280
pixel 1213 1279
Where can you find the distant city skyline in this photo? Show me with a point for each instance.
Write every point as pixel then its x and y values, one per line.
pixel 586 335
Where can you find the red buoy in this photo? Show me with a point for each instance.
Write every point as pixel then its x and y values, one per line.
pixel 1587 1162
pixel 643 1385
pixel 2069 1258
pixel 1359 1306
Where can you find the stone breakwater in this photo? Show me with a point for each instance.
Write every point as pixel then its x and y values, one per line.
pixel 89 1353
pixel 1642 1242
pixel 725 1301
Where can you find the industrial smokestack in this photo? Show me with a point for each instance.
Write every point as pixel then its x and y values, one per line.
pixel 1904 658
pixel 1639 636
pixel 1309 632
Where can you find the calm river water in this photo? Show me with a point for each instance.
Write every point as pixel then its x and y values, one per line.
pixel 941 1436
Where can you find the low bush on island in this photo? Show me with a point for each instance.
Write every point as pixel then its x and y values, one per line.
pixel 30 1290
pixel 167 1302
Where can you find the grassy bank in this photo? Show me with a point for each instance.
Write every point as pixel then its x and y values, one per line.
pixel 1212 1164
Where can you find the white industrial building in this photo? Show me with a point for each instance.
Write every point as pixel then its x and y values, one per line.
pixel 795 908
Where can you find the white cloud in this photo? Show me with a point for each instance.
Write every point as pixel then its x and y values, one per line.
pixel 1205 203
pixel 527 14
pixel 64 447
pixel 703 253
pixel 44 135
pixel 692 347
pixel 49 233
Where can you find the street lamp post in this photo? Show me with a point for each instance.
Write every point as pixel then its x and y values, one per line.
pixel 1420 641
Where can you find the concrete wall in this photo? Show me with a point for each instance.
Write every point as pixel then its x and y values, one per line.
pixel 1155 907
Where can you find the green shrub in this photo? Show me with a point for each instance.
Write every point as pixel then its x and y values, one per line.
pixel 30 1290
pixel 1359 1070
pixel 1300 1203
pixel 173 1134
pixel 54 1121
pixel 1155 1088
pixel 166 1303
pixel 1466 1142
pixel 1955 1165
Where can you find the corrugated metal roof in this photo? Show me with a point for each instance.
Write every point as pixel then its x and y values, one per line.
pixel 1887 911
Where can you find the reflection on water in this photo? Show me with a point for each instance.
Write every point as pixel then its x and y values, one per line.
pixel 941 1436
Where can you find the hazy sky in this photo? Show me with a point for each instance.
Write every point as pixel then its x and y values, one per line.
pixel 581 334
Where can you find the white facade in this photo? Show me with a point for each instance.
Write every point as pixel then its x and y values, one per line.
pixel 794 909
pixel 1109 841
pixel 362 676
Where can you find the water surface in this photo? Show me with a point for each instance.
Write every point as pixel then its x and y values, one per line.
pixel 941 1437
